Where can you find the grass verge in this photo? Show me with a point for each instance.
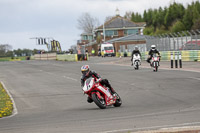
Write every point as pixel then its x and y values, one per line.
pixel 13 59
pixel 6 105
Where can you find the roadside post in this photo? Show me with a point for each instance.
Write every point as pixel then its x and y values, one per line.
pixel 172 60
pixel 176 59
pixel 180 60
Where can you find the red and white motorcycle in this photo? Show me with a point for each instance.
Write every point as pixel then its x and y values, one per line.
pixel 155 62
pixel 100 94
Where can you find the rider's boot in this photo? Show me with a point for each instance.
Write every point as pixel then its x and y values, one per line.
pixel 112 90
pixel 89 100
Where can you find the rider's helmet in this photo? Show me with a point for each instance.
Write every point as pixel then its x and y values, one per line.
pixel 85 69
pixel 136 47
pixel 153 47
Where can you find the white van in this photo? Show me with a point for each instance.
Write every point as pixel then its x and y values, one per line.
pixel 107 49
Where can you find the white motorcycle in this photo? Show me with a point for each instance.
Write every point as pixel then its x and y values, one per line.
pixel 136 61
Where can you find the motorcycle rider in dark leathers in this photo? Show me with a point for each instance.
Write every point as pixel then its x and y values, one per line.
pixel 151 52
pixel 135 51
pixel 87 73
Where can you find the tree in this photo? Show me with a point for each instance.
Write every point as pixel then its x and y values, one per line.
pixel 136 17
pixel 175 12
pixel 128 15
pixel 187 18
pixel 87 23
pixel 133 17
pixel 148 31
pixel 196 25
pixel 145 16
pixel 4 48
pixel 27 52
pixel 155 19
pixel 149 17
pixel 9 54
pixel 18 52
pixel 178 26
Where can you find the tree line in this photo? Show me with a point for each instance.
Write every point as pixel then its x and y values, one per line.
pixel 174 18
pixel 6 51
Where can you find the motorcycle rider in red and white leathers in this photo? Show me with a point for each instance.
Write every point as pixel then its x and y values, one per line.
pixel 87 73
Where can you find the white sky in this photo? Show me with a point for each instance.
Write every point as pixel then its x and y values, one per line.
pixel 22 19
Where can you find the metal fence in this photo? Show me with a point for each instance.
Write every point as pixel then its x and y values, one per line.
pixel 131 47
pixel 78 49
pixel 185 40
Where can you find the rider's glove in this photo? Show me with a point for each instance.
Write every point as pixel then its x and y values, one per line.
pixel 98 80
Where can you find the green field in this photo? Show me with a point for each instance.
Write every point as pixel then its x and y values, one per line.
pixel 6 105
pixel 13 59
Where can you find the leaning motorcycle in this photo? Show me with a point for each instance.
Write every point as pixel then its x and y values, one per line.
pixel 155 62
pixel 136 61
pixel 100 94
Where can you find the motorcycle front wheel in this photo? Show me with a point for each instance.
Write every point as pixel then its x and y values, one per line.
pixel 99 102
pixel 137 65
pixel 118 101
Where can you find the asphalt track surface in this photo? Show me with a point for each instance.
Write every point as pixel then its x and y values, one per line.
pixel 49 98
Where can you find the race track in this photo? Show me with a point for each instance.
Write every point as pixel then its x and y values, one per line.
pixel 49 98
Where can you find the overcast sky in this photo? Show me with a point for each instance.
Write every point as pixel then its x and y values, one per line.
pixel 22 19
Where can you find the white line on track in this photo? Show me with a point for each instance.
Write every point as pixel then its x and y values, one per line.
pixel 70 78
pixel 50 73
pixel 195 78
pixel 14 105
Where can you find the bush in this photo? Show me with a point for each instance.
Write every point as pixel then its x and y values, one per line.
pixel 148 31
pixel 177 27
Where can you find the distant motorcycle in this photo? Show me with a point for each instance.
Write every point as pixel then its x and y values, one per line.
pixel 100 94
pixel 99 53
pixel 136 61
pixel 155 62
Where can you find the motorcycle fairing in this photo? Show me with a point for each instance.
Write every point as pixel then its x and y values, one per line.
pixel 89 83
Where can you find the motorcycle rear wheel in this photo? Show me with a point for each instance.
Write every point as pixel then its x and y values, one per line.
pixel 136 65
pixel 99 102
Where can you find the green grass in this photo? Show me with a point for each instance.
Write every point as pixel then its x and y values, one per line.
pixel 14 59
pixel 6 105
pixel 5 58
